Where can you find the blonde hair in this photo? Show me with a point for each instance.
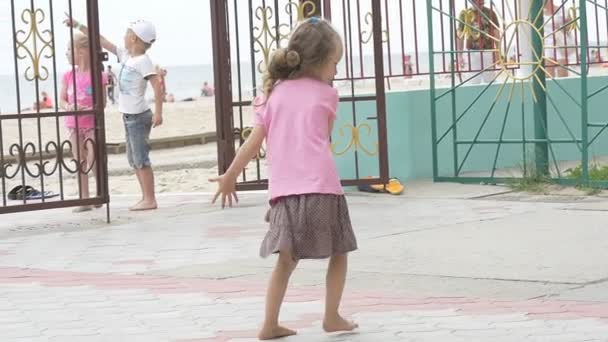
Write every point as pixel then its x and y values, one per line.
pixel 80 41
pixel 310 46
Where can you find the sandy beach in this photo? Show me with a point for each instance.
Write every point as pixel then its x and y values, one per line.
pixel 196 117
pixel 180 119
pixel 184 169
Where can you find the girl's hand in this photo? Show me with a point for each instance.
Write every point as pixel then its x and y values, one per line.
pixel 226 190
pixel 69 21
pixel 72 108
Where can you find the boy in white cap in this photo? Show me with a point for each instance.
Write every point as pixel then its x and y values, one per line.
pixel 136 71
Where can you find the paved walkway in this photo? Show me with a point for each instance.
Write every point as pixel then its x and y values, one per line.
pixel 443 263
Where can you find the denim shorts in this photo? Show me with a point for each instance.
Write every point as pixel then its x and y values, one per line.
pixel 137 129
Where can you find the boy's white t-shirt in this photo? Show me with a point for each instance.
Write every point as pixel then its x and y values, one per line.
pixel 132 82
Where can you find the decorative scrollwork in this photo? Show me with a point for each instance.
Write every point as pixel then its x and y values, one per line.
pixel 268 37
pixel 40 48
pixel 20 154
pixel 15 152
pixel 52 148
pixel 302 9
pixel 66 146
pixel 30 148
pixel 366 36
pixel 89 145
pixel 75 163
pixel 355 140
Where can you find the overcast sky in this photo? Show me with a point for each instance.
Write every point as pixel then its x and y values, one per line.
pixel 184 28
pixel 184 31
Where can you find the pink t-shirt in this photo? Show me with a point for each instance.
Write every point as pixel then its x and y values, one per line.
pixel 297 119
pixel 84 97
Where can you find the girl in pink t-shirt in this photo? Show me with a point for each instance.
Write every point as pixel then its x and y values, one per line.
pixel 78 96
pixel 309 216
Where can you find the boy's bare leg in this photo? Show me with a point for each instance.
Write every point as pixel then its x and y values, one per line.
pixel 145 176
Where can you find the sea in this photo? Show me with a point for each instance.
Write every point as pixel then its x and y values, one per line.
pixel 182 81
pixel 186 81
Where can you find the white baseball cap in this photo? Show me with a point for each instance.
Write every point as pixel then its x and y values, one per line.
pixel 144 30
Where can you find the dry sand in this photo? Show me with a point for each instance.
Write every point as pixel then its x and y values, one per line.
pixel 180 119
pixel 177 170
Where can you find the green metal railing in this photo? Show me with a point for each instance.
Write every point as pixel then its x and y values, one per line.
pixel 525 109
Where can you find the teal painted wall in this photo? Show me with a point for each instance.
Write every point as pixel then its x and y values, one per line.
pixel 409 128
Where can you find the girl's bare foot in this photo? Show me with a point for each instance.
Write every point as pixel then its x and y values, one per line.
pixel 337 323
pixel 136 204
pixel 270 333
pixel 82 209
pixel 143 205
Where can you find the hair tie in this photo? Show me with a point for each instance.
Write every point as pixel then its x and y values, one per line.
pixel 314 20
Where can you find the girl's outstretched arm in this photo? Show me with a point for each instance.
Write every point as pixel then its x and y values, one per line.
pixel 227 182
pixel 106 44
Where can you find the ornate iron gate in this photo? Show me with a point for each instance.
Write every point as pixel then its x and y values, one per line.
pixel 39 168
pixel 531 108
pixel 244 37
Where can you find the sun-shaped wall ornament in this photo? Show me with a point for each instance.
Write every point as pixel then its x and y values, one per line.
pixel 509 36
pixel 512 49
pixel 528 30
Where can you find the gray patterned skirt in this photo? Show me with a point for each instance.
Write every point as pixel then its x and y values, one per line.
pixel 314 226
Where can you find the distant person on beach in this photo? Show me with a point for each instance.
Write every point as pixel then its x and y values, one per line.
pixel 476 41
pixel 45 102
pixel 79 96
pixel 111 84
pixel 309 216
pixel 137 70
pixel 557 38
pixel 207 90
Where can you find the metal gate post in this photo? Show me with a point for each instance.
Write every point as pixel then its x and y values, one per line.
pixel 380 92
pixel 97 59
pixel 223 83
pixel 584 95
pixel 541 151
pixel 429 9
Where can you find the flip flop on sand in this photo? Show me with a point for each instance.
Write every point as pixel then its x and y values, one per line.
pixel 372 188
pixel 38 195
pixel 394 187
pixel 378 187
pixel 12 195
pixel 28 193
pixel 368 188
